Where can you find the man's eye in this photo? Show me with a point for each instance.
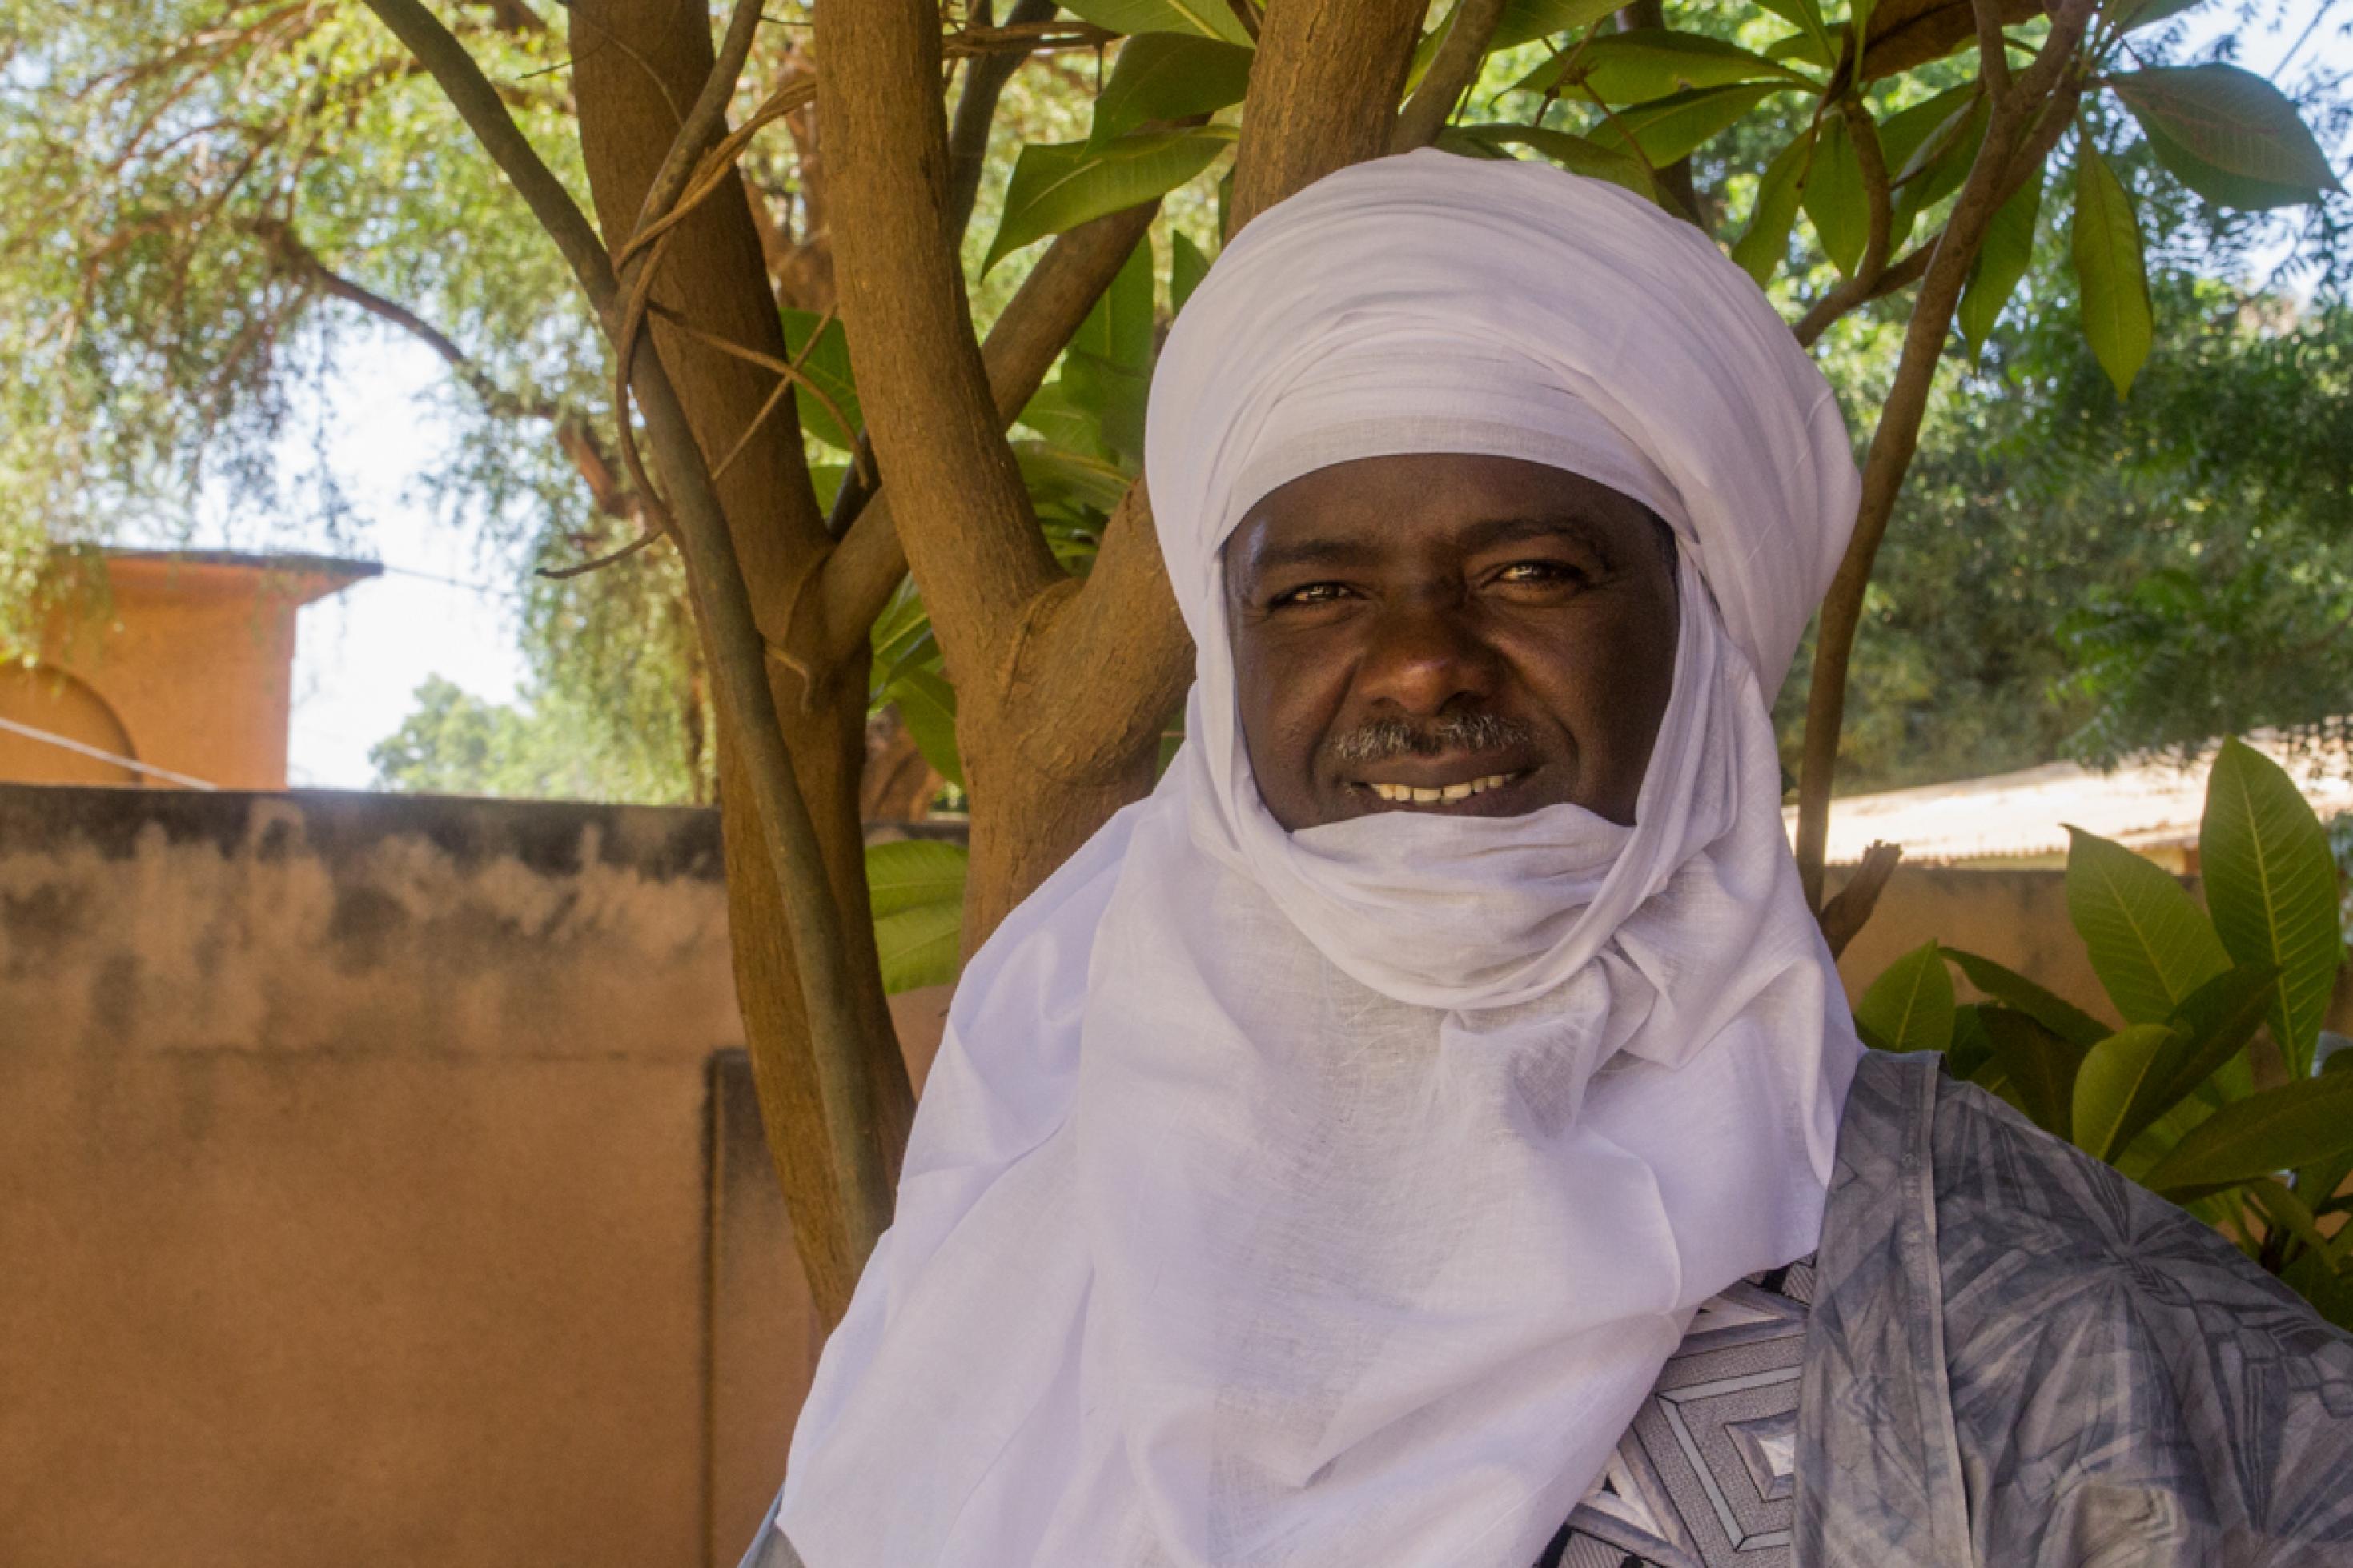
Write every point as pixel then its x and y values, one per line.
pixel 1540 573
pixel 1309 594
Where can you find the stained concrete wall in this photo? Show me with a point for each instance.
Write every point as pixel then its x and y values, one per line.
pixel 381 1183
pixel 364 1192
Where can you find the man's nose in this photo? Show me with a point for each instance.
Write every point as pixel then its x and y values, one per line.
pixel 1426 656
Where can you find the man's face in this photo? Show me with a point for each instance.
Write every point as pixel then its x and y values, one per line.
pixel 1476 636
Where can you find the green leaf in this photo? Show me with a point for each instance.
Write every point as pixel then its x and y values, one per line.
pixel 1807 16
pixel 1835 198
pixel 2008 986
pixel 2149 944
pixel 1765 244
pixel 1057 473
pixel 2283 1210
pixel 1910 138
pixel 1117 392
pixel 1525 21
pixel 1673 129
pixel 1972 1048
pixel 2271 884
pixel 828 365
pixel 918 946
pixel 1073 427
pixel 2110 269
pixel 2119 1079
pixel 1118 330
pixel 911 871
pixel 1574 154
pixel 2228 134
pixel 1937 168
pixel 1169 76
pixel 2296 1124
pixel 1058 186
pixel 1201 18
pixel 1187 267
pixel 2001 261
pixel 1653 62
pixel 926 704
pixel 1910 1006
pixel 2039 1067
pixel 2215 1022
pixel 2131 14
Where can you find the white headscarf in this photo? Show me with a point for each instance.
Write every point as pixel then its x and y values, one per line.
pixel 1333 1198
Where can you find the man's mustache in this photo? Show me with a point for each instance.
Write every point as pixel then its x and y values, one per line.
pixel 1385 740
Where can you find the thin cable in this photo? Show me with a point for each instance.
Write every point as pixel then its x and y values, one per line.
pixel 49 738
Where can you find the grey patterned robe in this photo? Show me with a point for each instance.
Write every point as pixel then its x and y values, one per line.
pixel 2012 1358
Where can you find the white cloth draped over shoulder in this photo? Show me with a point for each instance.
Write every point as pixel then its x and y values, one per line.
pixel 1333 1198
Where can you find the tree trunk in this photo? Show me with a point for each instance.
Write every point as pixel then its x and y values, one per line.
pixel 631 64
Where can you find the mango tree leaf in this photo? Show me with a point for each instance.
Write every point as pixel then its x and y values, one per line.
pixel 2296 1124
pixel 1673 129
pixel 1202 19
pixel 2215 1022
pixel 2038 1067
pixel 1525 21
pixel 1807 16
pixel 1910 1006
pixel 2271 884
pixel 1574 154
pixel 2227 134
pixel 1835 199
pixel 1059 474
pixel 926 704
pixel 911 871
pixel 1058 415
pixel 1118 330
pixel 2283 1210
pixel 918 946
pixel 1187 267
pixel 1117 392
pixel 1168 76
pixel 1910 137
pixel 2012 989
pixel 1058 186
pixel 2149 944
pixel 2120 1078
pixel 2110 269
pixel 1806 47
pixel 828 365
pixel 1972 1048
pixel 2131 14
pixel 1765 244
pixel 1937 168
pixel 2001 261
pixel 1653 62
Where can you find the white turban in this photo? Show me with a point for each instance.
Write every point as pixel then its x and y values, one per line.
pixel 1335 1197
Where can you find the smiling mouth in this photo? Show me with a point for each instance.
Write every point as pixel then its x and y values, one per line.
pixel 1441 794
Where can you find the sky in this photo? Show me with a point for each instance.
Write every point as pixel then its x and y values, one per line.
pixel 444 606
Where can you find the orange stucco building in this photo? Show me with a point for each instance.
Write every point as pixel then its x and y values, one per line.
pixel 178 661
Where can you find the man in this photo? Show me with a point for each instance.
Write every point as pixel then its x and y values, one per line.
pixel 1405 1138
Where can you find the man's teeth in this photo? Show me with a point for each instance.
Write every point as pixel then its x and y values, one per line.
pixel 1453 792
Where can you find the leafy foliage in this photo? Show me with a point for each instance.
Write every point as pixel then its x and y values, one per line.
pixel 2171 1100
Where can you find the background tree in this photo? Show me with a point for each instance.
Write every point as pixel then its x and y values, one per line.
pixel 706 401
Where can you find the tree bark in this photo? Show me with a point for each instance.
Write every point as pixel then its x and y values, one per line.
pixel 714 278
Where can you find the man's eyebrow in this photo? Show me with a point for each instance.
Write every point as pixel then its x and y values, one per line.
pixel 1313 550
pixel 1524 527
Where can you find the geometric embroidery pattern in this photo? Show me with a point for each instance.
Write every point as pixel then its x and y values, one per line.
pixel 1706 1476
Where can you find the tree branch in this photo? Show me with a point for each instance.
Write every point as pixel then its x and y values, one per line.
pixel 477 103
pixel 797 862
pixel 707 119
pixel 1035 326
pixel 2034 92
pixel 962 509
pixel 985 76
pixel 1850 292
pixel 1323 94
pixel 1451 71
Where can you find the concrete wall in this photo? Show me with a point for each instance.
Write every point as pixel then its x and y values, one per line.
pixel 376 1186
pixel 381 1183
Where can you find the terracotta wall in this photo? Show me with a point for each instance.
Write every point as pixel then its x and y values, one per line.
pixel 380 1183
